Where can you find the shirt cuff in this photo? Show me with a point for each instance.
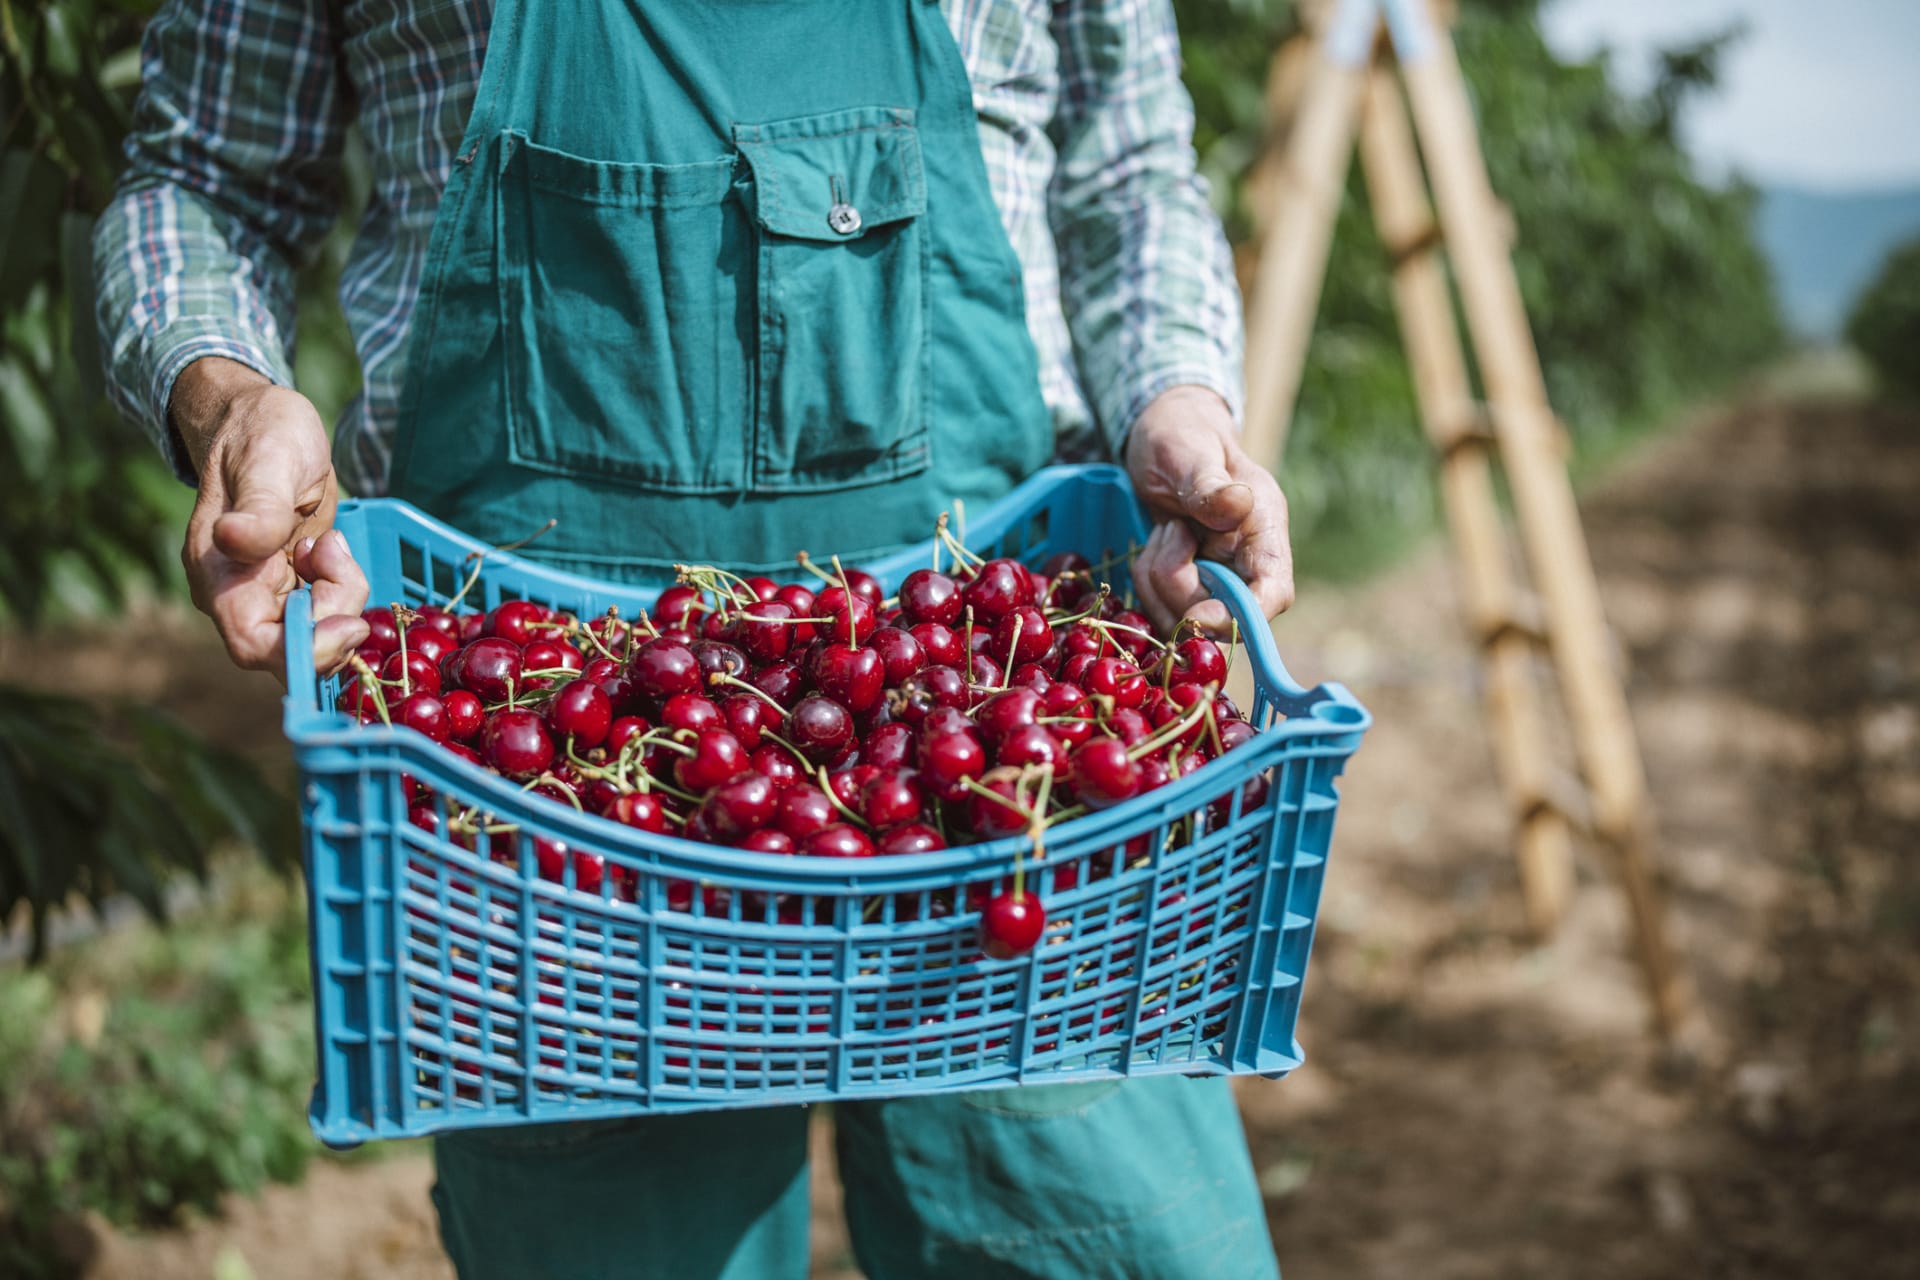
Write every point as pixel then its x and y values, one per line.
pixel 176 347
pixel 1141 392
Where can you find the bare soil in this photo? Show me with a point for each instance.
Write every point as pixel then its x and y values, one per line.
pixel 1478 1105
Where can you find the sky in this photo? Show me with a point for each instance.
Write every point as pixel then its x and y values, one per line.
pixel 1820 93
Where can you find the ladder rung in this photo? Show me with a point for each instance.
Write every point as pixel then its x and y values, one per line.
pixel 1426 240
pixel 1564 795
pixel 1522 617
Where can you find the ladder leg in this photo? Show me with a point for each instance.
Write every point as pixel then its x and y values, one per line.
pixel 1543 501
pixel 1428 331
pixel 1305 200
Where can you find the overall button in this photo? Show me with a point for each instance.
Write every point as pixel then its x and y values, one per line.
pixel 843 218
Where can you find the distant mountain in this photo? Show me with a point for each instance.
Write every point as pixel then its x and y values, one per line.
pixel 1824 247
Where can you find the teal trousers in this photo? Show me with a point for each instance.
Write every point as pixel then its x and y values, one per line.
pixel 1147 1180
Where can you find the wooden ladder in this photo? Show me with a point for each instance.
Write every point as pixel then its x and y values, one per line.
pixel 1333 82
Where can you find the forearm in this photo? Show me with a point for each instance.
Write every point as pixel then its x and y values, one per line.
pixel 1146 275
pixel 232 179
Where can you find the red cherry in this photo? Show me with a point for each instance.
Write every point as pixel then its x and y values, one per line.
pixel 1069 713
pixel 1001 814
pixel 947 720
pixel 1031 675
pixel 926 689
pixel 690 711
pixel 464 713
pixel 641 810
pixel 472 627
pixel 547 653
pixel 802 810
pixel 1021 635
pixel 901 654
pixel 1236 733
pixel 890 799
pixel 762 631
pixel 1138 636
pixel 486 667
pixel 1011 924
pixel 423 712
pixel 1074 669
pixel 581 711
pixel 775 764
pixel 1004 712
pixel 849 619
pixel 800 600
pixel 889 746
pixel 929 596
pixel 717 757
pixel 680 606
pixel 1103 774
pixel 1129 726
pixel 837 841
pixel 1032 744
pixel 768 840
pixel 516 743
pixel 947 760
pixel 1198 660
pixel 986 673
pixel 999 587
pixel 780 682
pixel 717 657
pixel 424 638
pixel 865 585
pixel 440 620
pixel 383 636
pixel 942 644
pixel 662 668
pixel 422 673
pixel 735 808
pixel 512 620
pixel 746 717
pixel 1118 679
pixel 914 837
pixel 1061 563
pixel 622 730
pixel 819 726
pixel 854 678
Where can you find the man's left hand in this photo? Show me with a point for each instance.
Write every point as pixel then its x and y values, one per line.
pixel 1209 501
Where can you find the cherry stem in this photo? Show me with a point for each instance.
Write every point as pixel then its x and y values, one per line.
pixel 1013 648
pixel 370 683
pixel 479 559
pixel 1175 730
pixel 791 750
pixel 564 788
pixel 820 771
pixel 722 677
pixel 806 562
pixel 402 619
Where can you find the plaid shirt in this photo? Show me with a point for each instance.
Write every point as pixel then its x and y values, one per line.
pixel 235 180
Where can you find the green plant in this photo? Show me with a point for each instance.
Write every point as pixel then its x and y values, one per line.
pixel 153 1073
pixel 1884 324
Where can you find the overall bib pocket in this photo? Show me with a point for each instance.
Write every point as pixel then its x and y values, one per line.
pixel 843 350
pixel 626 300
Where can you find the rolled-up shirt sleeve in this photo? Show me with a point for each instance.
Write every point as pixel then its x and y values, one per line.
pixel 1146 276
pixel 232 181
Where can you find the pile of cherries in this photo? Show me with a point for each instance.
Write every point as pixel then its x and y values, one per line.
pixel 830 721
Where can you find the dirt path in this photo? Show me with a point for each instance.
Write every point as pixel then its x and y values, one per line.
pixel 1480 1107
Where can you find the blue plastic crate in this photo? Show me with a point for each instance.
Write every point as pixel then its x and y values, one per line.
pixel 452 990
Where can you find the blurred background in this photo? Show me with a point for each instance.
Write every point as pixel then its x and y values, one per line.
pixel 1717 207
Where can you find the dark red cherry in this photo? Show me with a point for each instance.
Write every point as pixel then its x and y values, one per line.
pixel 768 840
pixel 1198 660
pixel 581 711
pixel 747 717
pixel 1004 712
pixel 440 620
pixel 802 810
pixel 1063 562
pixel 941 643
pixel 901 654
pixel 819 727
pixel 486 667
pixel 914 837
pixel 999 587
pixel 623 729
pixel 1236 733
pixel 641 810
pixel 1129 726
pixel 516 743
pixel 986 673
pixel 422 674
pixel 800 600
pixel 1000 812
pixel 1022 635
pixel 1011 924
pixel 854 678
pixel 1103 774
pixel 781 681
pixel 662 668
pixel 1032 744
pixel 762 631
pixel 849 619
pixel 1118 679
pixel 717 757
pixel 777 765
pixel 680 606
pixel 947 760
pixel 889 746
pixel 513 620
pixel 423 637
pixel 865 585
pixel 837 841
pixel 464 713
pixel 929 596
pixel 690 711
pixel 425 713
pixel 737 807
pixel 717 657
pixel 890 799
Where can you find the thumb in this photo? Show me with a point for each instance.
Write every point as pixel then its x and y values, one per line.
pixel 1214 498
pixel 263 487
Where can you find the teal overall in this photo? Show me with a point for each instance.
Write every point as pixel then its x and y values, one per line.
pixel 716 282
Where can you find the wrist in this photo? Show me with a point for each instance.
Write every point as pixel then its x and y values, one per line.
pixel 204 398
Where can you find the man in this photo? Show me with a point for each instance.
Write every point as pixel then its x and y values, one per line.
pixel 713 281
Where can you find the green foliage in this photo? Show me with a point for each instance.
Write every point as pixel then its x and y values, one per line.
pixel 152 1074
pixel 1885 322
pixel 92 812
pixel 1642 281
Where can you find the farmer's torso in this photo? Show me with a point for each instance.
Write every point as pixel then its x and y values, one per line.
pixel 414 69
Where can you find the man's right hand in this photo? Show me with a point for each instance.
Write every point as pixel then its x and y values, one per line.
pixel 264 521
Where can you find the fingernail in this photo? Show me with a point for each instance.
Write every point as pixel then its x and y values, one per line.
pixel 306 545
